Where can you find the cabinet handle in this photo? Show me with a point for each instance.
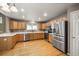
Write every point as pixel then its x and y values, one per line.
pixel 73 37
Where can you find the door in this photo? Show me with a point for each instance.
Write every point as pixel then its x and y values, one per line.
pixel 74 33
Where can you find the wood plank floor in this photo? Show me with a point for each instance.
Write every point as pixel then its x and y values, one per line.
pixel 33 48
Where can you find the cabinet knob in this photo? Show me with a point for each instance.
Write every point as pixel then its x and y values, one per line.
pixel 73 37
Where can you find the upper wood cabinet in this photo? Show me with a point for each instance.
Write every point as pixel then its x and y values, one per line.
pixel 44 25
pixel 16 24
pixel 12 24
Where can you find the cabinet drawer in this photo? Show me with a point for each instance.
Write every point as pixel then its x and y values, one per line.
pixel 59 44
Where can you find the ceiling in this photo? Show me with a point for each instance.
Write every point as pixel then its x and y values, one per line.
pixel 32 11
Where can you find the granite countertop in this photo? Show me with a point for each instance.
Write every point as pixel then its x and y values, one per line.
pixel 14 33
pixel 7 34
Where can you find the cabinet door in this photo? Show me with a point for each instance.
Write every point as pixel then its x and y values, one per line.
pixel 10 24
pixel 50 38
pixel 6 43
pixel 13 24
pixel 2 44
pixel 19 25
pixel 14 40
pixel 42 35
pixel 35 35
pixel 9 42
pixel 39 36
pixel 20 37
pixel 31 36
pixel 23 25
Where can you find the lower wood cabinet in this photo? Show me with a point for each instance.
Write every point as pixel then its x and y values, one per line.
pixel 19 37
pixel 10 41
pixel 14 40
pixel 34 36
pixel 6 43
pixel 50 38
pixel 31 36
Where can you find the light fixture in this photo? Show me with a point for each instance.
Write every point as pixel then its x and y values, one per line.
pixel 4 5
pixel 23 16
pixel 5 9
pixel 45 14
pixel 8 7
pixel 32 21
pixel 22 10
pixel 13 9
pixel 39 18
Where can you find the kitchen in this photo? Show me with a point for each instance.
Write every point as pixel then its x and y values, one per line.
pixel 33 34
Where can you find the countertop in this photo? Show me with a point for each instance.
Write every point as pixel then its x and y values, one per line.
pixel 14 33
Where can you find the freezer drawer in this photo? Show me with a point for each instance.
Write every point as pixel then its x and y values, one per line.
pixel 59 44
pixel 60 38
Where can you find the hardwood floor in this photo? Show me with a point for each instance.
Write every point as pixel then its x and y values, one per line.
pixel 32 48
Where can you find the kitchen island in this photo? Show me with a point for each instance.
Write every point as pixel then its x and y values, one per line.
pixel 8 40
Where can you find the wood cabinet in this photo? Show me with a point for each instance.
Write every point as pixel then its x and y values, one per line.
pixel 50 38
pixel 10 41
pixel 6 43
pixel 12 24
pixel 31 35
pixel 19 37
pixel 43 26
pixel 37 36
pixel 41 35
pixel 14 40
pixel 21 25
pixel 17 25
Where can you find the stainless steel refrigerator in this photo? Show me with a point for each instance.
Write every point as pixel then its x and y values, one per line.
pixel 61 36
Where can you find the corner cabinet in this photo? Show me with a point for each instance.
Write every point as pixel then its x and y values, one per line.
pixel 7 43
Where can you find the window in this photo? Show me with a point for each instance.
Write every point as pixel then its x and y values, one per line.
pixel 29 27
pixel 32 27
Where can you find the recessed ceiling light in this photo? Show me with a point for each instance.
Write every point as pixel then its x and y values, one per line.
pixel 23 16
pixel 45 14
pixel 22 9
pixel 39 18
